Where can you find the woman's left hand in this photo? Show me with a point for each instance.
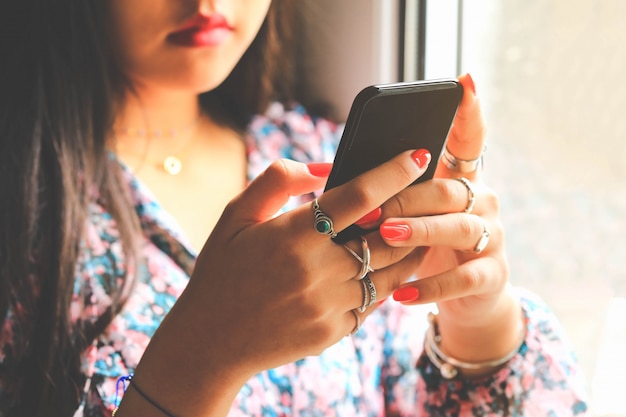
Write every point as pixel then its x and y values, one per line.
pixel 445 220
pixel 464 269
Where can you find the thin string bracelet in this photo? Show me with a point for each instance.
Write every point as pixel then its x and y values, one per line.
pixel 120 381
pixel 141 392
pixel 150 400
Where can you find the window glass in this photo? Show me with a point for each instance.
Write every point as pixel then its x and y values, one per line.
pixel 550 78
pixel 549 75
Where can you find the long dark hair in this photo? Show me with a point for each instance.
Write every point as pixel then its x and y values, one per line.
pixel 59 89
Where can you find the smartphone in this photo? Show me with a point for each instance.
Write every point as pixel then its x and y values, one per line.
pixel 387 119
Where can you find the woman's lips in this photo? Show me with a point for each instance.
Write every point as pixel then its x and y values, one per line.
pixel 202 30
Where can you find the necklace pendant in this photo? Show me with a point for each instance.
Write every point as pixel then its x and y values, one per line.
pixel 172 165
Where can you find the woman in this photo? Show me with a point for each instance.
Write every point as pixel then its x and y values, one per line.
pixel 115 172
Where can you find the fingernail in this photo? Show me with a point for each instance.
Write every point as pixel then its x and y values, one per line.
pixel 320 169
pixel 468 83
pixel 395 231
pixel 370 217
pixel 406 294
pixel 421 158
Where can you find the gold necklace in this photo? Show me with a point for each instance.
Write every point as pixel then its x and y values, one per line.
pixel 172 164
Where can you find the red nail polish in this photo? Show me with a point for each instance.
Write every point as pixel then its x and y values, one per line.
pixel 370 217
pixel 406 294
pixel 421 158
pixel 320 169
pixel 395 231
pixel 381 302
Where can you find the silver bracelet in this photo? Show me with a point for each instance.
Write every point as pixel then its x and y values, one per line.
pixel 449 367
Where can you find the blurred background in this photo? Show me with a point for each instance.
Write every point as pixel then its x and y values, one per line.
pixel 549 76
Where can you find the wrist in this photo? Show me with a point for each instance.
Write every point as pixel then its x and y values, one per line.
pixel 487 336
pixel 184 370
pixel 450 367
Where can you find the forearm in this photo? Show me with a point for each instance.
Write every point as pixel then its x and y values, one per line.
pixel 183 371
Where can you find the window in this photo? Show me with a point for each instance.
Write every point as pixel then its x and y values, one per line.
pixel 549 75
pixel 550 79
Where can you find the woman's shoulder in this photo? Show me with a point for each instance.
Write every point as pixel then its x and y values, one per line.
pixel 289 130
pixel 293 116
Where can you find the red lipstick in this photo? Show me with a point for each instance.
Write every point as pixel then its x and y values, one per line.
pixel 202 31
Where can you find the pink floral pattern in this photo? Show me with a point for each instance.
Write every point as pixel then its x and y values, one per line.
pixel 380 371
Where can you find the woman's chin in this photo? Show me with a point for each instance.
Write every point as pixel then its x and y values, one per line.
pixel 190 85
pixel 200 84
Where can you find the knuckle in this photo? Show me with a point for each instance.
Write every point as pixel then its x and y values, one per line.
pixel 315 340
pixel 449 190
pixel 497 231
pixel 492 201
pixel 363 194
pixel 503 274
pixel 323 331
pixel 427 231
pixel 467 227
pixel 229 210
pixel 311 309
pixel 404 173
pixel 398 204
pixel 469 279
pixel 277 171
pixel 438 289
pixel 297 277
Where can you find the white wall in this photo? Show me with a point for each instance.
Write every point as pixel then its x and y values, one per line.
pixel 350 44
pixel 354 43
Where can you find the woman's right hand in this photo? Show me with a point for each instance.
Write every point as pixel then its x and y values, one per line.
pixel 268 290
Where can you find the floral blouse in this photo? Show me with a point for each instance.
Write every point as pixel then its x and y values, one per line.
pixel 381 370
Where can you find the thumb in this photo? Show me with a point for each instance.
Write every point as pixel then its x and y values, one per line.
pixel 467 135
pixel 271 190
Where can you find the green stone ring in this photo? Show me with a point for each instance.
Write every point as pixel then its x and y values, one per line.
pixel 322 223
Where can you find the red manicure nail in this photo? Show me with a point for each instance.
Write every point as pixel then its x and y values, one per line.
pixel 421 157
pixel 370 217
pixel 320 169
pixel 395 231
pixel 406 294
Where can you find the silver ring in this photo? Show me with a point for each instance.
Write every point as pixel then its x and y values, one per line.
pixel 470 194
pixel 369 293
pixel 323 224
pixel 357 326
pixel 462 165
pixel 365 293
pixel 365 260
pixel 483 241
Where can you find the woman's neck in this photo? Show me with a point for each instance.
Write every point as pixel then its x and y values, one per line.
pixel 154 110
pixel 155 122
pixel 208 156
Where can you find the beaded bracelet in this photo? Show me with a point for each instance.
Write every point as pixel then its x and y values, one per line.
pixel 129 378
pixel 448 366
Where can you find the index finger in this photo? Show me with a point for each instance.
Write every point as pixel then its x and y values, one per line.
pixel 353 200
pixel 467 135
